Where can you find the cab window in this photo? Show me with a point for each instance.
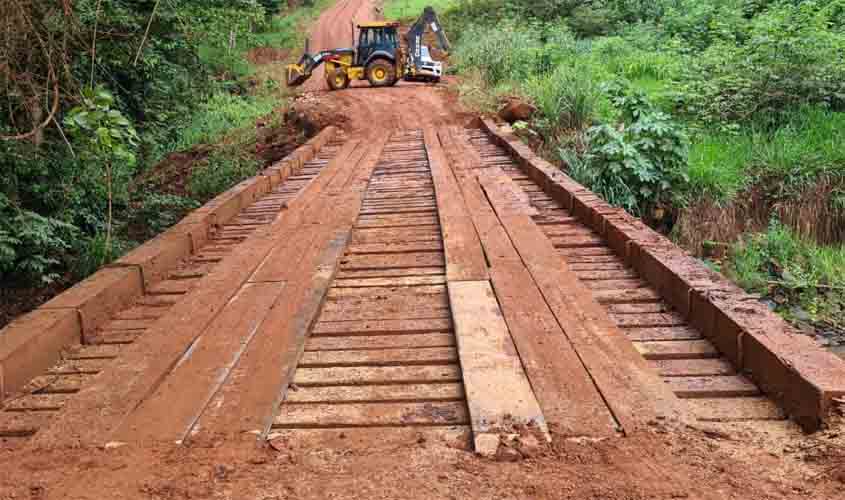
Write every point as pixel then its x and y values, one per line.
pixel 365 37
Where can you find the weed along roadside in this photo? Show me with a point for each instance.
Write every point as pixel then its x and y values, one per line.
pixel 188 101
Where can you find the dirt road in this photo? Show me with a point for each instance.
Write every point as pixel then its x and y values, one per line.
pixel 368 110
pixel 412 309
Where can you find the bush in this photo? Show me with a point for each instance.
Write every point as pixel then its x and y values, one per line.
pixel 789 58
pixel 157 212
pixel 33 248
pixel 637 166
pixel 220 171
pixel 93 252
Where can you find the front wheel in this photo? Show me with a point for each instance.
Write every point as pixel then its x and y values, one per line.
pixel 381 73
pixel 338 80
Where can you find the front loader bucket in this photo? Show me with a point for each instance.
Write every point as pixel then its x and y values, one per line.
pixel 297 75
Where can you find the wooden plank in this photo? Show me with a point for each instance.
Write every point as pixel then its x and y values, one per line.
pixel 435 308
pixel 693 367
pixel 373 292
pixel 371 414
pixel 464 254
pixel 377 393
pixel 392 261
pixel 379 357
pixel 363 236
pixel 368 306
pixel 382 327
pixel 648 320
pixel 376 375
pixel 606 274
pixel 638 308
pixel 677 349
pixel 728 386
pixel 348 283
pixel 568 397
pixel 615 285
pixel 499 395
pixel 395 247
pixel 170 411
pixel 736 409
pixel 37 402
pixel 636 295
pixel 663 333
pixel 391 273
pixel 93 352
pixel 380 341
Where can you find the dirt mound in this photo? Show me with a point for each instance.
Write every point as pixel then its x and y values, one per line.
pixel 312 112
pixel 516 109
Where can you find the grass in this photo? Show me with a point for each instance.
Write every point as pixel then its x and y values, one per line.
pixel 220 114
pixel 285 31
pixel 220 171
pixel 803 279
pixel 411 9
pixel 806 146
pixel 288 30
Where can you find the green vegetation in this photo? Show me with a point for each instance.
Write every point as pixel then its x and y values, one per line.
pixel 705 116
pixel 411 9
pixel 81 137
pixel 804 280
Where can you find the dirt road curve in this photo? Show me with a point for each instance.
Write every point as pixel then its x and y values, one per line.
pixel 413 308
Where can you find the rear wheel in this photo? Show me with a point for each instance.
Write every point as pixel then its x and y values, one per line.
pixel 338 79
pixel 381 73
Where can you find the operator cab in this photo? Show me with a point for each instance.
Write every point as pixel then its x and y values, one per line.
pixel 377 39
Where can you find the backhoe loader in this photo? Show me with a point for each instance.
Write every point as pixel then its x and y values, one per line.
pixel 378 57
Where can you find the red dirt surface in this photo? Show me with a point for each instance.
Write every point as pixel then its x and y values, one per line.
pixel 767 461
pixel 655 465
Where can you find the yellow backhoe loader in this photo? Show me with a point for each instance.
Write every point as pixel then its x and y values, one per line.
pixel 378 56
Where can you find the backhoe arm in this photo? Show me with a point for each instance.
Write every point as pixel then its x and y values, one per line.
pixel 299 73
pixel 428 19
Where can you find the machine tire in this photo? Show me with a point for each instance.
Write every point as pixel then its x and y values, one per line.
pixel 339 80
pixel 381 73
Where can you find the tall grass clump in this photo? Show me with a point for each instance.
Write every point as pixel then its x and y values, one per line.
pixel 785 160
pixel 505 54
pixel 566 98
pixel 798 273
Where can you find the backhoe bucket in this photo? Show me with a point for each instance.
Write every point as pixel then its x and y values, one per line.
pixel 297 75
